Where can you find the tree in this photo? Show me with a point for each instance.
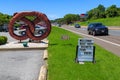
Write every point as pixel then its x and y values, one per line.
pixel 90 14
pixel 118 10
pixel 112 11
pixel 69 18
pixel 61 21
pixel 101 11
pixel 98 12
pixel 4 18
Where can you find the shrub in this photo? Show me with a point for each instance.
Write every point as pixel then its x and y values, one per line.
pixel 3 40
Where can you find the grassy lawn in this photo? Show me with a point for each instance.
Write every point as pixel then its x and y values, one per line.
pixel 62 66
pixel 106 21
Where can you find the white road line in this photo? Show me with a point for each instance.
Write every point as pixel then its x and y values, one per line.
pixel 96 38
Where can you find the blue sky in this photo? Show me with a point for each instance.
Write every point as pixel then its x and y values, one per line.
pixel 53 8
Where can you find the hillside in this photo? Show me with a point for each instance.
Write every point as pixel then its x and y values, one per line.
pixel 106 21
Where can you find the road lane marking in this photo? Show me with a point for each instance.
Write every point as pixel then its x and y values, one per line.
pixel 95 38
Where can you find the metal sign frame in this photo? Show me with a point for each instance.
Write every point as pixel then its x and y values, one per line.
pixel 85 50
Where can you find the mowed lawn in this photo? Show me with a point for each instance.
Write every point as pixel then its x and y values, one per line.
pixel 62 66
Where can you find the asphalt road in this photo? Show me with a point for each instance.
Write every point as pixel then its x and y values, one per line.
pixel 114 32
pixel 20 64
pixel 110 43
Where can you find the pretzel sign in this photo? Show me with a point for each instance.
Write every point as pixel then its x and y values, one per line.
pixel 33 25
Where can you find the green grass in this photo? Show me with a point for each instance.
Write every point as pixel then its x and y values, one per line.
pixel 62 66
pixel 106 21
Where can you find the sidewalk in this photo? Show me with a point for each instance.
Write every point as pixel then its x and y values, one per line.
pixel 33 60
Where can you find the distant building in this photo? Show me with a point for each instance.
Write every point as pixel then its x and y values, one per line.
pixel 83 15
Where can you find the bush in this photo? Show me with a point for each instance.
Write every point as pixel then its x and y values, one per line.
pixel 3 40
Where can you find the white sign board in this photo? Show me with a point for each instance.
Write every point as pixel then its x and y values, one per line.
pixel 85 50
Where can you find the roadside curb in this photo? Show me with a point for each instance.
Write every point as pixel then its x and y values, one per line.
pixel 19 46
pixel 45 56
pixel 44 70
pixel 114 28
pixel 43 73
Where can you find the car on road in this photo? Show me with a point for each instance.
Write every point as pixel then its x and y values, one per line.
pixel 59 25
pixel 97 29
pixel 39 30
pixel 77 26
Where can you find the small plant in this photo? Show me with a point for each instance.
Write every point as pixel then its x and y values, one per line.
pixel 3 40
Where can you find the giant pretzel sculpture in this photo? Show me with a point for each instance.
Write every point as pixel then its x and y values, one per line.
pixel 31 25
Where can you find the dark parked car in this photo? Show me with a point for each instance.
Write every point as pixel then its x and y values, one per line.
pixel 97 29
pixel 77 26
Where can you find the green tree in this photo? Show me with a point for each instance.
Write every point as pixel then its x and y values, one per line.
pixel 60 21
pixel 118 10
pixel 98 12
pixel 101 11
pixel 69 18
pixel 112 11
pixel 4 18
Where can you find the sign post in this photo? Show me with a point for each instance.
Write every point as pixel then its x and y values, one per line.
pixel 85 51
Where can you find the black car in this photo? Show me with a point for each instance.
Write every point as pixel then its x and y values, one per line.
pixel 77 26
pixel 59 25
pixel 97 29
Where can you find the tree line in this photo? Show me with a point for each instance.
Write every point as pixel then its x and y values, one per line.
pixel 99 12
pixel 102 12
pixel 4 19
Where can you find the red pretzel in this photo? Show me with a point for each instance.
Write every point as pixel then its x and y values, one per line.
pixel 31 25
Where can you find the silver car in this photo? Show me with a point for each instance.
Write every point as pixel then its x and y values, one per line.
pixel 39 30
